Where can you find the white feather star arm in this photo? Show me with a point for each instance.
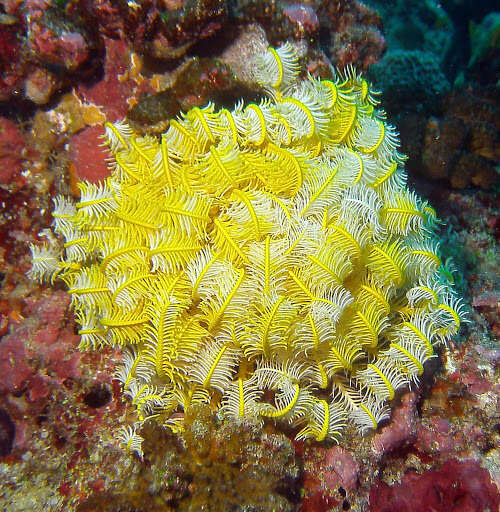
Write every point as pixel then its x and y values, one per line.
pixel 129 438
pixel 269 326
pixel 423 257
pixel 362 202
pixel 117 135
pixel 63 213
pixel 215 365
pixel 277 68
pixel 96 201
pixel 364 409
pixel 93 334
pixel 44 263
pixel 240 399
pixel 272 374
pixel 149 400
pixel 382 377
pixel 132 367
pixel 449 315
pixel 208 273
pixel 326 422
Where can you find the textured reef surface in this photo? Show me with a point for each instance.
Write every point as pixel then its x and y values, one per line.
pixel 61 408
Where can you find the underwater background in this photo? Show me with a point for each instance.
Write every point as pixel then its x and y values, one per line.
pixel 66 68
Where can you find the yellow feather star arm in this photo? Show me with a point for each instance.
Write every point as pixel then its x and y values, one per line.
pixel 292 404
pixel 96 201
pixel 252 123
pixel 388 262
pixel 161 343
pixel 129 287
pixel 423 257
pixel 200 121
pixel 316 331
pixel 90 290
pixel 172 250
pixel 225 237
pixel 288 165
pixel 148 399
pixel 328 268
pixel 327 422
pixel 403 214
pixel 277 68
pixel 221 169
pixel 181 140
pixel 215 365
pixel 241 399
pixel 381 377
pixel 366 324
pixel 344 122
pixel 342 356
pixel 229 303
pixel 374 293
pixel 188 213
pixel 269 326
pixel 124 328
pixel 165 169
pixel 449 315
pixel 410 356
pixel 348 236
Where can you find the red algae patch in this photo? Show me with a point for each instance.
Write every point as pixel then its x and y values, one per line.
pixel 457 486
pixel 88 156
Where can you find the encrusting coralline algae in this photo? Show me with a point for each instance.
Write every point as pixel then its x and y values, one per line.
pixel 269 261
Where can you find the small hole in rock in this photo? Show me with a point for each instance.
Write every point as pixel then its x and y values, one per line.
pixel 97 396
pixel 346 505
pixel 7 433
pixel 342 491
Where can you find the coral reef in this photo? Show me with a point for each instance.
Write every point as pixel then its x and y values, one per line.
pixel 410 80
pixel 57 436
pixel 460 486
pixel 428 49
pixel 11 150
pixel 416 25
pixel 464 14
pixel 352 34
pixel 46 49
pixel 47 398
pixel 219 466
pixel 61 44
pixel 460 146
pixel 201 80
pixel 485 48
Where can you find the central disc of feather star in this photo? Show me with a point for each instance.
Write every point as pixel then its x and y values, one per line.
pixel 268 260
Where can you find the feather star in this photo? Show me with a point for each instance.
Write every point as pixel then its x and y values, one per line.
pixel 269 260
